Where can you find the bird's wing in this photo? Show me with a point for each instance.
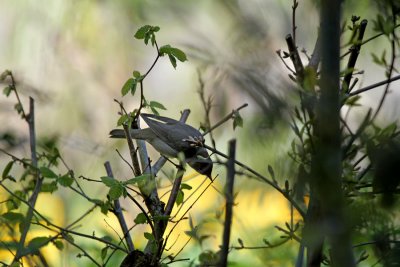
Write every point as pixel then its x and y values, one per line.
pixel 171 131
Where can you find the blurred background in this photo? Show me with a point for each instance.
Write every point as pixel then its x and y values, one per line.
pixel 73 58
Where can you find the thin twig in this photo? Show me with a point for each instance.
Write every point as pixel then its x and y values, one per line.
pixel 368 40
pixel 295 57
pixel 48 222
pixel 84 252
pixel 132 152
pixel 294 27
pixel 355 51
pixel 174 193
pixel 372 86
pixel 30 119
pixel 143 211
pixel 130 166
pixel 184 214
pixel 14 88
pixel 278 52
pixel 118 213
pixel 227 117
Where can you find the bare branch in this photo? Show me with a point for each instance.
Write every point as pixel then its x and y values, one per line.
pixel 119 214
pixel 30 119
pixel 227 117
pixel 229 203
pixel 355 50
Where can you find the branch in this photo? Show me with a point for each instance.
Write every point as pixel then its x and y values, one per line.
pixel 294 27
pixel 30 119
pixel 294 56
pixel 119 214
pixel 368 40
pixel 227 117
pixel 174 193
pixel 143 211
pixel 229 203
pixel 48 222
pixel 355 50
pixel 326 162
pixel 372 86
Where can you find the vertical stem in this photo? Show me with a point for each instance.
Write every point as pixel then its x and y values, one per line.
pixel 326 168
pixel 30 119
pixel 229 203
pixel 119 214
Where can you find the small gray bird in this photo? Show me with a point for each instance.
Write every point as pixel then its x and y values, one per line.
pixel 169 137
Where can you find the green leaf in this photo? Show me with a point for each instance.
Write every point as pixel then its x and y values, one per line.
pixel 18 108
pixel 271 172
pixel 136 179
pixel 352 101
pixel 237 120
pixel 65 180
pixel 179 54
pixel 49 187
pixel 7 90
pixel 148 236
pixel 69 238
pixel 179 197
pixel 140 219
pixel 185 186
pixel 104 253
pixel 155 111
pixel 146 38
pixel 4 75
pixel 136 74
pixel 122 120
pixel 13 217
pixel 47 173
pixel 37 243
pixel 7 169
pixel 13 203
pixel 59 244
pixel 107 238
pixel 104 208
pixel 141 33
pixel 165 49
pixel 116 191
pixel 109 181
pixel 130 85
pixel 155 104
pixel 173 60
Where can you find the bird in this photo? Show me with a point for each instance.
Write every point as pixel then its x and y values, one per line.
pixel 170 138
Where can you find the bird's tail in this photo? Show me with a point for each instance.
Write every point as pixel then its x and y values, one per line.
pixel 117 133
pixel 143 134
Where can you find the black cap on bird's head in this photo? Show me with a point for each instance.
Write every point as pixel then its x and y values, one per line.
pixel 201 162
